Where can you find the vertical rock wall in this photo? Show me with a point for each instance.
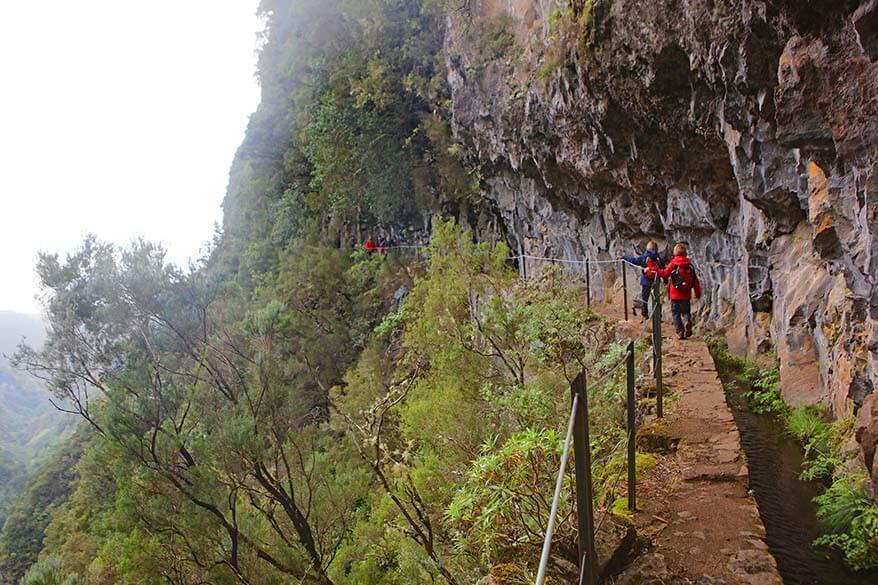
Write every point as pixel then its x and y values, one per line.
pixel 748 129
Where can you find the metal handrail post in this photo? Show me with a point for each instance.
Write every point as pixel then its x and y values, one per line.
pixel 587 283
pixel 584 488
pixel 657 350
pixel 632 430
pixel 559 483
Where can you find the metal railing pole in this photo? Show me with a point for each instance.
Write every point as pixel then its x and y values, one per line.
pixel 584 490
pixel 587 283
pixel 655 325
pixel 559 483
pixel 657 349
pixel 632 430
pixel 624 286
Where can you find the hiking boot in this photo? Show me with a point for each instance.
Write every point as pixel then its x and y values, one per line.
pixel 688 329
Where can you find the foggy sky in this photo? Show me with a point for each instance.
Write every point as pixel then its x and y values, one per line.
pixel 117 118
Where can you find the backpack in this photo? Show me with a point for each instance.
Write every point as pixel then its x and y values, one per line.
pixel 652 267
pixel 682 278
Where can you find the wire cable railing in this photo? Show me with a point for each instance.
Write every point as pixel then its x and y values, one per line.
pixel 588 530
pixel 585 264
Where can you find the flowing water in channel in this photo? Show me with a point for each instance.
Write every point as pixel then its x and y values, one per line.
pixel 785 501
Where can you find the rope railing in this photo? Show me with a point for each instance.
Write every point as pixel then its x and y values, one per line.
pixel 586 264
pixel 611 370
pixel 551 259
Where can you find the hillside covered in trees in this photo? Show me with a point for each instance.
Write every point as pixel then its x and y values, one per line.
pixel 275 413
pixel 30 428
pixel 294 409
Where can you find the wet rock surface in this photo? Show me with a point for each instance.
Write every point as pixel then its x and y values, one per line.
pixel 748 129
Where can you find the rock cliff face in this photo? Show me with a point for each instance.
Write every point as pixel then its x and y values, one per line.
pixel 748 129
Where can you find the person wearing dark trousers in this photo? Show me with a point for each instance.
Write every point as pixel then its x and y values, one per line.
pixel 682 286
pixel 651 263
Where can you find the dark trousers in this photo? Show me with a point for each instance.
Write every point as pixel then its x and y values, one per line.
pixel 681 312
pixel 645 291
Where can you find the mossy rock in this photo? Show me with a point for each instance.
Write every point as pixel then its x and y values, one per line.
pixel 657 438
pixel 620 510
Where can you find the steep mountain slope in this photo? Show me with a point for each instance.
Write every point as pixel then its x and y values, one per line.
pixel 281 413
pixel 29 426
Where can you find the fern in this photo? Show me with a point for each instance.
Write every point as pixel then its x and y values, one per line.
pixel 764 394
pixel 850 519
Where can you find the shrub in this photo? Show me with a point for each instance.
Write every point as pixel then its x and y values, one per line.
pixel 506 499
pixel 49 571
pixel 547 69
pixel 820 440
pixel 850 519
pixel 496 37
pixel 764 394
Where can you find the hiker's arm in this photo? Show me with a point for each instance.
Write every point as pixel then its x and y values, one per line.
pixel 639 260
pixel 664 272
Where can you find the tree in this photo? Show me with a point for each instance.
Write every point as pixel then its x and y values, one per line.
pixel 221 439
pixel 455 406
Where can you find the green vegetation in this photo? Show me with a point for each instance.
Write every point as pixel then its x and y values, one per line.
pixel 764 393
pixel 343 142
pixel 302 430
pixel 49 571
pixel 483 373
pixel 547 69
pixel 850 518
pixel 496 36
pixel 216 455
pixel 30 427
pixel 22 537
pixel 847 513
pixel 762 385
pixel 821 440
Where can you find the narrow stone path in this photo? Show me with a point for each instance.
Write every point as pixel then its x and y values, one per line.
pixel 697 519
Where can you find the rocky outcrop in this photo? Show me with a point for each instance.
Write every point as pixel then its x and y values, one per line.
pixel 748 129
pixel 866 434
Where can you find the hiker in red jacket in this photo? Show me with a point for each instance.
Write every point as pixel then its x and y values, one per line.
pixel 683 283
pixel 370 245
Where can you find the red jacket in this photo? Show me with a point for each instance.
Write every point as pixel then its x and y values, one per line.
pixel 674 292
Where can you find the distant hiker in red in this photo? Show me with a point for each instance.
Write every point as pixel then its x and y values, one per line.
pixel 683 283
pixel 370 245
pixel 651 263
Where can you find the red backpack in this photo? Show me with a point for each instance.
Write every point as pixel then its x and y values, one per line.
pixel 683 278
pixel 652 268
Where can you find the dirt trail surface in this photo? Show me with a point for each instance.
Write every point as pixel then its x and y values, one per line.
pixel 698 521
